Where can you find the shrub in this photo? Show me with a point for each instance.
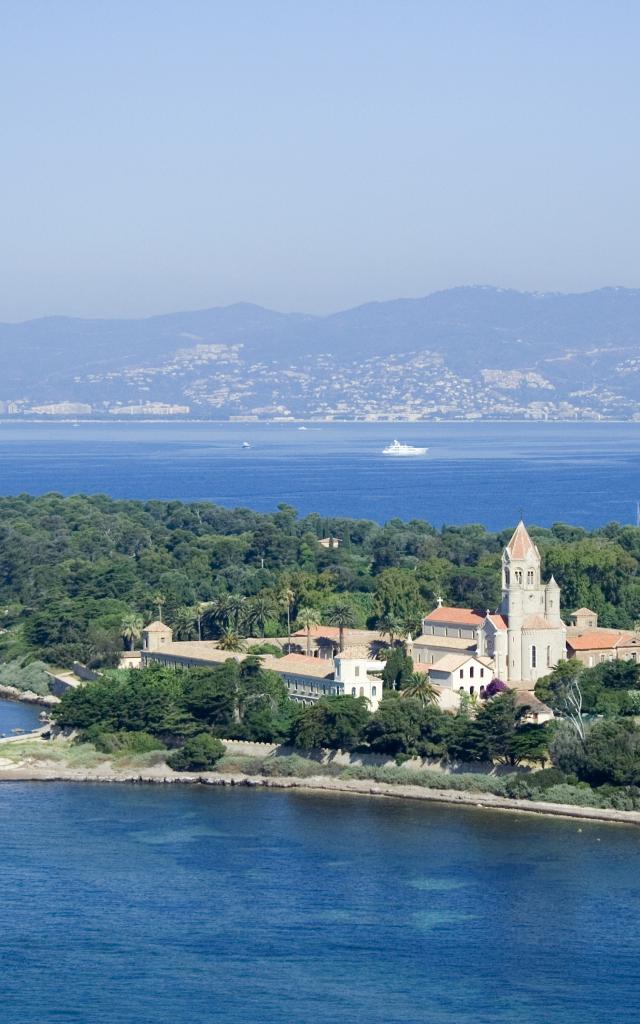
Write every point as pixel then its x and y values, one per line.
pixel 580 796
pixel 495 686
pixel 546 778
pixel 32 676
pixel 518 787
pixel 199 754
pixel 122 742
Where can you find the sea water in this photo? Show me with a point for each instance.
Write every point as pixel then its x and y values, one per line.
pixel 491 473
pixel 139 904
pixel 14 716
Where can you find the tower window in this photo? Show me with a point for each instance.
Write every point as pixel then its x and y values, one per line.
pixel 534 656
pixel 507 577
pixel 518 575
pixel 548 656
pixel 530 577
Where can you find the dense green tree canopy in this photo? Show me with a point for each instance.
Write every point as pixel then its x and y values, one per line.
pixel 73 570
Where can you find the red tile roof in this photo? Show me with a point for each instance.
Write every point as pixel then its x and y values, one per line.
pixel 598 640
pixel 458 616
pixel 499 621
pixel 521 545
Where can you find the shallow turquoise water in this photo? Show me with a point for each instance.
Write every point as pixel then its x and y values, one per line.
pixel 138 904
pixel 583 473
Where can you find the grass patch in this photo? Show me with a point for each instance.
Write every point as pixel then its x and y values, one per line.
pixel 74 755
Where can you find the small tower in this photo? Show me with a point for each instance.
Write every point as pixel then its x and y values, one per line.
pixel 155 636
pixel 552 602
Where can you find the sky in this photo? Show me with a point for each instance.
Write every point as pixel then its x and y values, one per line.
pixel 311 155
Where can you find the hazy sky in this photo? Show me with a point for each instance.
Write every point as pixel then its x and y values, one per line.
pixel 313 154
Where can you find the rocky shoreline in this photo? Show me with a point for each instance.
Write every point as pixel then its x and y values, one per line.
pixel 161 775
pixel 27 696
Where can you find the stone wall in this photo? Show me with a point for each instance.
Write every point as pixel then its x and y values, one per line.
pixel 347 758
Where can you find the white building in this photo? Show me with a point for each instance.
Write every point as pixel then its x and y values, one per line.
pixel 357 676
pixel 523 639
pixel 469 673
pixel 526 637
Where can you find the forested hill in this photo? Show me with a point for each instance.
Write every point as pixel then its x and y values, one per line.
pixel 74 571
pixel 482 350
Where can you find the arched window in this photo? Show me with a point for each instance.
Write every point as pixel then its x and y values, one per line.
pixel 471 690
pixel 534 656
pixel 353 691
pixel 530 576
pixel 357 670
pixel 362 691
pixel 471 672
pixel 548 656
pixel 374 691
pixel 507 577
pixel 518 575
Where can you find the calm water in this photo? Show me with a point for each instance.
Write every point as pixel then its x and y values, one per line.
pixel 583 473
pixel 18 716
pixel 123 905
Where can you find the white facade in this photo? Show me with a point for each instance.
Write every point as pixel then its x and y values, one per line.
pixel 462 672
pixel 355 676
pixel 526 637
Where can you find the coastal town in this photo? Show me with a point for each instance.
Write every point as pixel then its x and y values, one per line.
pixel 223 382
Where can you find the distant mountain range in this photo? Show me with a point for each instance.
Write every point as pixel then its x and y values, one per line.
pixel 465 352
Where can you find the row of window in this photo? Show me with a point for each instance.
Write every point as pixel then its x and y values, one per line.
pixel 518 575
pixel 471 672
pixel 374 691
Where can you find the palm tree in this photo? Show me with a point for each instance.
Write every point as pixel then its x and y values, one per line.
pixel 420 687
pixel 236 610
pixel 217 614
pixel 308 619
pixel 390 625
pixel 186 622
pixel 286 597
pixel 344 617
pixel 159 600
pixel 260 609
pixel 131 628
pixel 230 641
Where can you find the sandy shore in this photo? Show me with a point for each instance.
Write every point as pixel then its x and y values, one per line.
pixel 162 775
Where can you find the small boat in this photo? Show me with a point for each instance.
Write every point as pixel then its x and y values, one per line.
pixel 245 444
pixel 403 449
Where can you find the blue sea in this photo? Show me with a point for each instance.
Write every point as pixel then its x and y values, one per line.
pixel 491 473
pixel 143 904
pixel 14 715
pixel 138 905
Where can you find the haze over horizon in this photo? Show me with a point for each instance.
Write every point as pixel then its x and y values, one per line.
pixel 164 156
pixel 160 313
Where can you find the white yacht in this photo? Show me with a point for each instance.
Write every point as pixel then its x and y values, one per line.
pixel 403 449
pixel 245 444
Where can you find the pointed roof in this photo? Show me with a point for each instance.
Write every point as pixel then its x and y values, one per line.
pixel 521 546
pixel 157 627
